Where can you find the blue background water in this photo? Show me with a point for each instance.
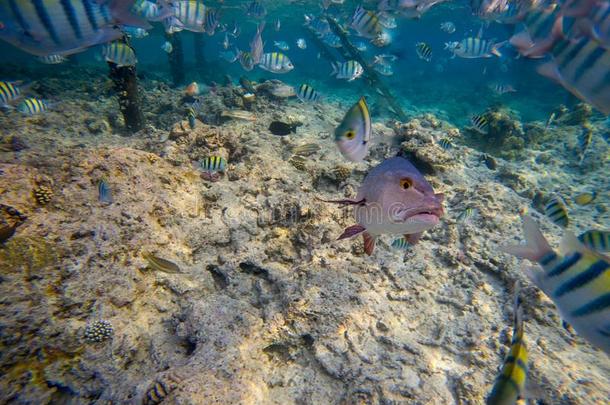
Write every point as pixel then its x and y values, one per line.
pixel 451 88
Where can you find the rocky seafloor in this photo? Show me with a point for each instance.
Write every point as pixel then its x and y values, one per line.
pixel 268 308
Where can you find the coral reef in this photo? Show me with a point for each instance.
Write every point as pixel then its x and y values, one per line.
pixel 503 135
pixel 267 306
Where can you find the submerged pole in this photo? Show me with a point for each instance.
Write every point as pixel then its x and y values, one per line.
pixel 198 44
pixel 368 71
pixel 176 58
pixel 126 85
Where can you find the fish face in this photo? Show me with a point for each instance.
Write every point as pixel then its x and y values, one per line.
pixel 399 200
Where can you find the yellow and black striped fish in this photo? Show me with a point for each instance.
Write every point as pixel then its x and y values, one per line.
pixel 9 91
pixel 32 106
pixel 480 123
pixel 119 53
pixel 557 211
pixel 308 93
pixel 423 51
pixel 350 70
pixel 366 23
pixel 578 282
pixel 190 116
pixel 596 240
pixel 445 143
pixel 509 384
pixel 191 13
pixel 62 27
pixel 213 164
pixel 276 62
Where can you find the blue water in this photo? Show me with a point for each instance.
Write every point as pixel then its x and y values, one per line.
pixel 452 88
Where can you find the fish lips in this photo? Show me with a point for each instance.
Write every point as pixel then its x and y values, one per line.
pixel 421 218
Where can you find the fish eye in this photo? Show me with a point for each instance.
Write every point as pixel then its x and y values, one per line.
pixel 350 134
pixel 406 183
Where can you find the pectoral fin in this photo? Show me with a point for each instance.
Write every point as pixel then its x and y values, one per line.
pixel 369 243
pixel 352 231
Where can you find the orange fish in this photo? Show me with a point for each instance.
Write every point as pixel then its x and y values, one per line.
pixel 192 89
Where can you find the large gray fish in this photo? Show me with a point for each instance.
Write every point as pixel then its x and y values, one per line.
pixel 63 27
pixel 393 199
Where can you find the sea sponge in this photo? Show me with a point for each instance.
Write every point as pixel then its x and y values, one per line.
pixel 98 331
pixel 341 172
pixel 43 194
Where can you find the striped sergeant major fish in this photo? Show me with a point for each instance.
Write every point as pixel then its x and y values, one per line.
pixel 557 211
pixel 350 70
pixel 211 167
pixel 582 67
pixel 212 19
pixel 119 53
pixel 276 62
pixel 423 50
pixel 52 59
pixel 9 92
pixel 471 48
pixel 306 93
pixel 596 240
pixel 366 23
pixel 509 384
pixel 32 106
pixel 256 10
pixel 578 282
pixel 191 14
pixel 584 141
pixel 63 27
pixel 151 11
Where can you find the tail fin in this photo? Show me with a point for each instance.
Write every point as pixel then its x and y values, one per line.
pixel 535 246
pixel 335 66
pixel 260 28
pixel 495 50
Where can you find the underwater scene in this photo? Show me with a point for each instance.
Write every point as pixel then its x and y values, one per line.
pixel 305 202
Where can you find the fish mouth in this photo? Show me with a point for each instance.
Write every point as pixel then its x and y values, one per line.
pixel 420 214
